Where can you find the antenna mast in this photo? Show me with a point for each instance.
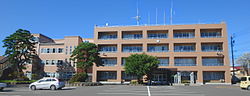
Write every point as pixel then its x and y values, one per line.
pixel 156 16
pixel 171 13
pixel 137 17
pixel 148 18
pixel 164 18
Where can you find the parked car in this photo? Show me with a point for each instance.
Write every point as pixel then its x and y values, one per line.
pixel 245 82
pixel 47 83
pixel 2 85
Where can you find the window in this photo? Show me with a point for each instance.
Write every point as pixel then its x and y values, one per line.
pixel 128 76
pixel 60 50
pixel 132 49
pixel 108 48
pixel 211 47
pixel 43 62
pixel 132 36
pixel 69 61
pixel 212 61
pixel 48 50
pixel 243 78
pixel 210 34
pixel 108 62
pixel 164 61
pixel 107 35
pixel 59 62
pixel 66 50
pixel 53 62
pixel 123 61
pixel 213 75
pixel 157 48
pixel 157 35
pixel 41 81
pixel 47 62
pixel 50 74
pixel 70 50
pixel 183 34
pixel 53 50
pixel 185 61
pixel 107 75
pixel 184 48
pixel 42 50
pixel 86 41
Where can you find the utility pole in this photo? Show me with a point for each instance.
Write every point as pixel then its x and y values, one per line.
pixel 232 52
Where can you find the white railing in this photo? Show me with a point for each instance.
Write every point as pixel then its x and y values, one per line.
pixel 157 24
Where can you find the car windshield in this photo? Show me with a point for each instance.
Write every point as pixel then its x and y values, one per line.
pixel 244 79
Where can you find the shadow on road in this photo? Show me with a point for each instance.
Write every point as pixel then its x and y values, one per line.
pixel 5 90
pixel 68 88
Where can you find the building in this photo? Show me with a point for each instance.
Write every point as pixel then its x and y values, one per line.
pixel 238 71
pixel 195 53
pixel 54 56
pixel 4 64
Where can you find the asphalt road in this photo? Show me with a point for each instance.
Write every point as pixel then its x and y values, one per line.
pixel 125 90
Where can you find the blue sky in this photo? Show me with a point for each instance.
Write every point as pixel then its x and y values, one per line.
pixel 59 18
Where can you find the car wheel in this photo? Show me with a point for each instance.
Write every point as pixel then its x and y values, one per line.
pixel 52 87
pixel 248 88
pixel 33 87
pixel 1 89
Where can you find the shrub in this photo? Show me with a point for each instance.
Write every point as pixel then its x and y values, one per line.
pixel 134 82
pixel 79 77
pixel 35 77
pixel 17 82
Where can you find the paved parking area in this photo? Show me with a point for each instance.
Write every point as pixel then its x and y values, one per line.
pixel 125 90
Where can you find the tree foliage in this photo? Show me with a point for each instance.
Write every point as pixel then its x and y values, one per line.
pixel 79 77
pixel 244 61
pixel 140 65
pixel 19 49
pixel 85 55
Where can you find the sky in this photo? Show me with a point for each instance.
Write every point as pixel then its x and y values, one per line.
pixel 59 18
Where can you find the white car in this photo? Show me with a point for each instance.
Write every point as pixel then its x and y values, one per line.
pixel 47 83
pixel 2 85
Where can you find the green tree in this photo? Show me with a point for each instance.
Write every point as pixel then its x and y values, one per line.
pixel 19 49
pixel 85 55
pixel 140 65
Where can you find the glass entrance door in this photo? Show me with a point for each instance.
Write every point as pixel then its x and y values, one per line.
pixel 159 78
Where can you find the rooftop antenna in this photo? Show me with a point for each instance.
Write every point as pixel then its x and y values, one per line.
pixel 156 16
pixel 148 18
pixel 171 13
pixel 164 18
pixel 137 17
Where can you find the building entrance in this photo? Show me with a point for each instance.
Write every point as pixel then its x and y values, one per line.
pixel 185 77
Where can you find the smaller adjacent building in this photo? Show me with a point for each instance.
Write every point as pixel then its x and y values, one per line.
pixel 4 64
pixel 54 57
pixel 238 71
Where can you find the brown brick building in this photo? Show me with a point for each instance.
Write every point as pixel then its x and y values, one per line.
pixel 191 53
pixel 54 56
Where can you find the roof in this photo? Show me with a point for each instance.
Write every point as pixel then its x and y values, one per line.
pixel 105 26
pixel 3 59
